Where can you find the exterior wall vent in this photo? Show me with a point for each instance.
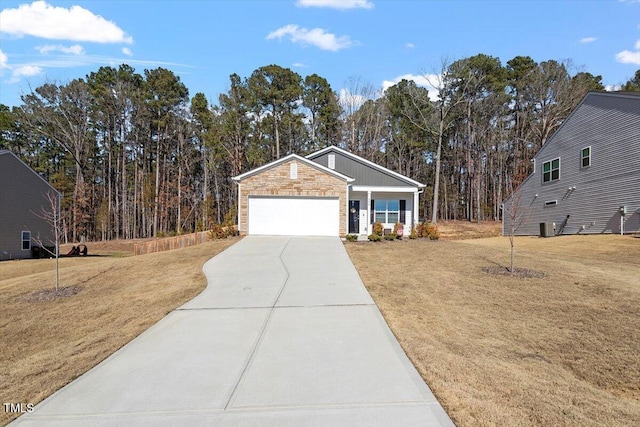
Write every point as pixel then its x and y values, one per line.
pixel 293 171
pixel 331 161
pixel 551 203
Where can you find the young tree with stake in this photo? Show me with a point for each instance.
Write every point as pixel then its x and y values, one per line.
pixel 50 212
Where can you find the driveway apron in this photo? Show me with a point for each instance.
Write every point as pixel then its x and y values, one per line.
pixel 285 334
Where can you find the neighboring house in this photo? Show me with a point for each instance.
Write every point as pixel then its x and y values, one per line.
pixel 586 173
pixel 23 196
pixel 329 193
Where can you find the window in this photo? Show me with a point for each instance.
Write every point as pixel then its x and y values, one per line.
pixel 26 240
pixel 551 170
pixel 331 161
pixel 387 211
pixel 585 157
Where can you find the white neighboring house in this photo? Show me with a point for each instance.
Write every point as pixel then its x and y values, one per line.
pixel 331 192
pixel 23 196
pixel 586 178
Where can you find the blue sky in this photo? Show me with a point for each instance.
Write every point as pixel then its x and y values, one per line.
pixel 346 41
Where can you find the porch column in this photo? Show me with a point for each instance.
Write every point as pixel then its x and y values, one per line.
pixel 369 229
pixel 415 208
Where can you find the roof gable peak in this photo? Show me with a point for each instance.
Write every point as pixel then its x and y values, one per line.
pixel 365 162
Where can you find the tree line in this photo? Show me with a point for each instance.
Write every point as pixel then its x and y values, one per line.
pixel 135 156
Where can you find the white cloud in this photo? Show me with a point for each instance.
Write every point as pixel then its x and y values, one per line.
pixel 350 101
pixel 316 37
pixel 630 57
pixel 410 45
pixel 127 51
pixel 336 4
pixel 424 80
pixel 299 65
pixel 40 19
pixel 3 62
pixel 587 40
pixel 76 49
pixel 24 71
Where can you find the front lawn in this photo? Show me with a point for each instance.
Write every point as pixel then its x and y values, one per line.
pixel 46 343
pixel 496 350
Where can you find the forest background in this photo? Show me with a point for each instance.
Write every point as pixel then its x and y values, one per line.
pixel 135 156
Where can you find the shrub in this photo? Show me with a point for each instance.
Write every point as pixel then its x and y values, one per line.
pixel 351 237
pixel 218 232
pixel 426 230
pixel 414 234
pixel 431 231
pixel 374 237
pixel 377 228
pixel 391 236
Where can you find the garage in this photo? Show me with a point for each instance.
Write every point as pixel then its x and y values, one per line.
pixel 294 216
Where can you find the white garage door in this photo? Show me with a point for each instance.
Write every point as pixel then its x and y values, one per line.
pixel 294 216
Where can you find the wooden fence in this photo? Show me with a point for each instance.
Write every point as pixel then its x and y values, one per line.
pixel 168 243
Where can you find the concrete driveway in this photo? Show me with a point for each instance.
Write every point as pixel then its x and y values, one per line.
pixel 285 334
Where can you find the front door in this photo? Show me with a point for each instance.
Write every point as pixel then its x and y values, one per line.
pixel 354 216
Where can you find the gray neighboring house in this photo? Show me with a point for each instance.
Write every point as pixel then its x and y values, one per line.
pixel 586 178
pixel 23 195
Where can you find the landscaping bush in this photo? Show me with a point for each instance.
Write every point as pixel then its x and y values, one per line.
pixel 351 237
pixel 378 229
pixel 219 232
pixel 391 236
pixel 414 234
pixel 427 230
pixel 374 237
pixel 431 231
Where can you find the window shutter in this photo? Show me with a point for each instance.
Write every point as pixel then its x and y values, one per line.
pixel 372 211
pixel 403 211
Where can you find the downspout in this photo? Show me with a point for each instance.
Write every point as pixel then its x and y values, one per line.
pixel 416 210
pixel 346 209
pixel 369 212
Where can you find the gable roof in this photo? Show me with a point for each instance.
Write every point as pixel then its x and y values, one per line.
pixel 608 100
pixel 27 167
pixel 364 164
pixel 286 159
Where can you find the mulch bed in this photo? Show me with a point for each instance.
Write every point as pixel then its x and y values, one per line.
pixel 521 273
pixel 51 294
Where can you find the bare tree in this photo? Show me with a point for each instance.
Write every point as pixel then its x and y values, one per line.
pixel 517 215
pixel 438 120
pixel 50 212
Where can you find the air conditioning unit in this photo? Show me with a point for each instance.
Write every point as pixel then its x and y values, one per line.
pixel 547 229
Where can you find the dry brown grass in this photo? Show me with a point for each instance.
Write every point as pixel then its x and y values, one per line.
pixel 45 345
pixel 496 350
pixel 458 229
